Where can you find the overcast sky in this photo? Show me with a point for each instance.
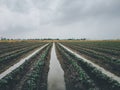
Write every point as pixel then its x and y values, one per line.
pixel 92 19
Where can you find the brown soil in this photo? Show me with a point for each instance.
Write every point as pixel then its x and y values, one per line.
pixel 98 62
pixel 70 74
pixel 30 69
pixel 7 65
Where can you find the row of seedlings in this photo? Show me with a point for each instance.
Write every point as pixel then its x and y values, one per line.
pixel 12 79
pixel 103 81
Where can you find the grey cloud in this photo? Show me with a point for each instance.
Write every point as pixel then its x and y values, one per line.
pixel 73 11
pixel 96 19
pixel 16 5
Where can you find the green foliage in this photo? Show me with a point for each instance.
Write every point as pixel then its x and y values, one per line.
pixel 87 49
pixel 33 81
pixel 9 81
pixel 84 79
pixel 104 82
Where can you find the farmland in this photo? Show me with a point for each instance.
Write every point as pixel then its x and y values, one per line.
pixel 106 54
pixel 60 65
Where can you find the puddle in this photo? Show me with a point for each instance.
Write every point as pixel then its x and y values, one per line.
pixel 9 70
pixel 56 73
pixel 109 74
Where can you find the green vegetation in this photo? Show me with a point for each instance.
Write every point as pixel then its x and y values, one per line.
pixel 37 62
pixel 104 53
pixel 96 77
pixel 35 77
pixel 11 52
pixel 78 74
pixel 83 78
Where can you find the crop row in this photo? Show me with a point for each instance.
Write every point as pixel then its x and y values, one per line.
pixel 11 58
pixel 9 47
pixel 11 80
pixel 82 78
pixel 101 58
pixel 98 49
pixel 108 45
pixel 101 80
pixel 35 78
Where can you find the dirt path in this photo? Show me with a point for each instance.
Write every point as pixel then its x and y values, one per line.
pixel 109 74
pixel 9 70
pixel 56 73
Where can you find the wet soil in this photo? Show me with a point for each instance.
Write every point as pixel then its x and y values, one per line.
pixel 56 74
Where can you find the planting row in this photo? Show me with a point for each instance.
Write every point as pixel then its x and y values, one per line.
pixel 8 47
pixel 111 45
pixel 81 75
pixel 110 63
pixel 98 48
pixel 14 56
pixel 32 75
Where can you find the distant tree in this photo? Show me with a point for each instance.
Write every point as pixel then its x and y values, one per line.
pixel 83 38
pixel 3 38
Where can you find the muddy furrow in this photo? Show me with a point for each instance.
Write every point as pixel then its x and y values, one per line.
pixel 56 73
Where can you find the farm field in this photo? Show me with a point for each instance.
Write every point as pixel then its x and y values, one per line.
pixel 104 53
pixel 60 65
pixel 12 52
